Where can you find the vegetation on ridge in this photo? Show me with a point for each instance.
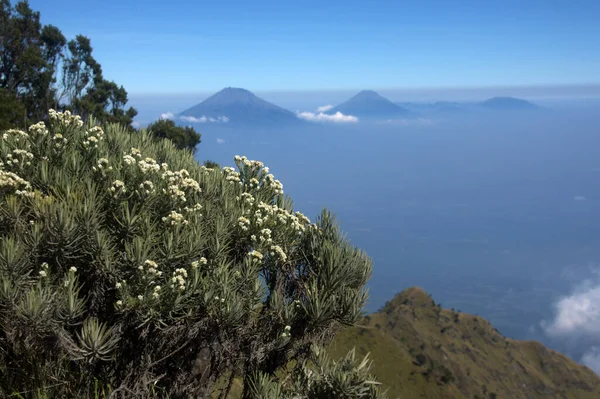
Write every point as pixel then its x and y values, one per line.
pixel 421 350
pixel 126 268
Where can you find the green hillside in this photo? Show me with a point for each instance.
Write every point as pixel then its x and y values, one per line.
pixel 421 350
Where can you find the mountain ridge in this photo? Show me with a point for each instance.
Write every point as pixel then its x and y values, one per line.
pixel 421 350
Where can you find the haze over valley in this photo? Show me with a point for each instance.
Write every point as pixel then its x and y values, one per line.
pixel 492 205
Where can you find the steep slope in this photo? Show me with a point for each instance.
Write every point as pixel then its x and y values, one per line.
pixel 420 350
pixel 369 105
pixel 241 107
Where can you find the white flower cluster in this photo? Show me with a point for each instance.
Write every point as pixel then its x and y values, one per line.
pixel 274 184
pixel 147 187
pixel 175 219
pixel 178 279
pixel 135 152
pixel 156 292
pixel 231 175
pixel 244 223
pixel 255 165
pixel 59 140
pixel 128 159
pixel 151 268
pixel 102 167
pixel 39 129
pixel 286 332
pixel 175 193
pixel 93 137
pixel 44 271
pixel 200 262
pixel 255 255
pixel 277 251
pixel 266 212
pixel 15 135
pixel 117 188
pixel 65 118
pixel 253 183
pixel 19 157
pixel 247 198
pixel 194 208
pixel 265 236
pixel 177 182
pixel 148 165
pixel 269 180
pixel 13 181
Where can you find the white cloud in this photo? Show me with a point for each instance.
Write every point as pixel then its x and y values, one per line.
pixel 577 313
pixel 577 320
pixel 324 108
pixel 591 358
pixel 191 119
pixel 136 124
pixel 167 115
pixel 220 140
pixel 579 198
pixel 204 119
pixel 338 117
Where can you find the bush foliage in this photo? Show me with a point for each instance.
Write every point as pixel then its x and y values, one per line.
pixel 127 270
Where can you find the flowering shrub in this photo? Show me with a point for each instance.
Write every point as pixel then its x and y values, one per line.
pixel 127 265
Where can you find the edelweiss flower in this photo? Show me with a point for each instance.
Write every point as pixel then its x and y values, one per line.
pixel 255 254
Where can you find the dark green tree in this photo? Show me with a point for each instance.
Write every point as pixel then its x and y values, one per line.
pixel 12 111
pixel 211 164
pixel 79 70
pixel 183 137
pixel 40 70
pixel 86 90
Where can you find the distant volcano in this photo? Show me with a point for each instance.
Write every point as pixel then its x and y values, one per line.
pixel 508 104
pixel 369 105
pixel 240 107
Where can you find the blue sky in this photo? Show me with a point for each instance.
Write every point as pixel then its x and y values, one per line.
pixel 191 46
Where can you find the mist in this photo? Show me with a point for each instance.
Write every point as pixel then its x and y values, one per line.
pixel 494 214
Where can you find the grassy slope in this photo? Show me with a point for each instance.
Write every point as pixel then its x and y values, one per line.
pixel 422 351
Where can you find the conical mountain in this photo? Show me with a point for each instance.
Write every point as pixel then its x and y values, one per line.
pixel 237 106
pixel 369 105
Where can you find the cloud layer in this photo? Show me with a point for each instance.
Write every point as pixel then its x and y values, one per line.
pixel 321 116
pixel 577 317
pixel 338 117
pixel 324 108
pixel 576 313
pixel 204 119
pixel 192 119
